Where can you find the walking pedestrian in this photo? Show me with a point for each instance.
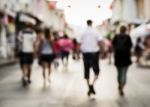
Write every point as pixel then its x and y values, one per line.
pixel 76 52
pixel 66 46
pixel 90 47
pixel 57 49
pixel 27 39
pixel 139 48
pixel 46 55
pixel 122 46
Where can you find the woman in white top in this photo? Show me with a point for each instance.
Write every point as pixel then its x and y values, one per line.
pixel 46 54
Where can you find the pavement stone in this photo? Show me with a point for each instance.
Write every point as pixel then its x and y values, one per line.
pixel 68 88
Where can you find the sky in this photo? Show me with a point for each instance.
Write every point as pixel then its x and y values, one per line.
pixel 78 11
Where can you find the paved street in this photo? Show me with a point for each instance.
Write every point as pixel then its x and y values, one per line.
pixel 68 88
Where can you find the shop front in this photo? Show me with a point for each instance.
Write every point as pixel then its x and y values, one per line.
pixel 7 36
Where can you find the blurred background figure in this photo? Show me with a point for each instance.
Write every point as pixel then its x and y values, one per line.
pixel 76 51
pixel 109 37
pixel 47 55
pixel 66 46
pixel 122 55
pixel 145 59
pixel 139 49
pixel 57 48
pixel 110 50
pixel 147 40
pixel 107 50
pixel 27 39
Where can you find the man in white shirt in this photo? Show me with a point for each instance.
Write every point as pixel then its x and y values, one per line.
pixel 90 47
pixel 27 38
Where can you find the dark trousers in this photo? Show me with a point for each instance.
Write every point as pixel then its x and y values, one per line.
pixel 91 60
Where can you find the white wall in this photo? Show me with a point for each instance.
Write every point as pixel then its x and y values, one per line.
pixel 117 10
pixel 129 10
pixel 147 9
pixel 56 21
pixel 125 10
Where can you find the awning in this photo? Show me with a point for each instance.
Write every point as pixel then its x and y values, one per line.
pixel 27 17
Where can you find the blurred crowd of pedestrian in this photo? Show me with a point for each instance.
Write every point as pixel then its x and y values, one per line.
pixel 48 47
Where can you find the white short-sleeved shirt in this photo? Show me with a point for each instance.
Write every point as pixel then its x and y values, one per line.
pixel 90 40
pixel 27 38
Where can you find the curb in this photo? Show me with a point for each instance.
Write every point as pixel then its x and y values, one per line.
pixel 8 62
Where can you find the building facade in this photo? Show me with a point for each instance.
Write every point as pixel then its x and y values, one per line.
pixel 136 11
pixel 143 9
pixel 37 8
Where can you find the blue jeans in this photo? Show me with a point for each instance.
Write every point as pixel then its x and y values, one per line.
pixel 122 74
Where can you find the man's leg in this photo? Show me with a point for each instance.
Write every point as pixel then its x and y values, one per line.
pixel 29 66
pixel 95 79
pixel 88 82
pixel 49 71
pixel 87 71
pixel 24 72
pixel 29 73
pixel 95 66
pixel 23 67
pixel 96 71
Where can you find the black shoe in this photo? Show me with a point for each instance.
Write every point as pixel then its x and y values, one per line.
pixel 92 89
pixel 29 81
pixel 89 93
pixel 24 82
pixel 120 88
pixel 121 93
